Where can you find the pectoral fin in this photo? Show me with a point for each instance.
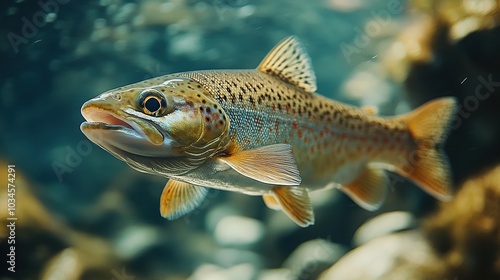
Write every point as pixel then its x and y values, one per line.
pixel 295 202
pixel 179 198
pixel 368 190
pixel 273 164
pixel 271 202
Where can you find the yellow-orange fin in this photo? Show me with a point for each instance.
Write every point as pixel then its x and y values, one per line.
pixel 427 165
pixel 295 203
pixel 271 202
pixel 290 62
pixel 272 164
pixel 179 198
pixel 369 189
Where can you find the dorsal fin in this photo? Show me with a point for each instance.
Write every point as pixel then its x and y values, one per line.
pixel 290 62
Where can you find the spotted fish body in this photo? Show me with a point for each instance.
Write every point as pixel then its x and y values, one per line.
pixel 266 132
pixel 326 136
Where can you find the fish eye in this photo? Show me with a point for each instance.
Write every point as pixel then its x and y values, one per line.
pixel 152 102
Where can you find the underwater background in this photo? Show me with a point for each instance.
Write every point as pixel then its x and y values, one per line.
pixel 82 214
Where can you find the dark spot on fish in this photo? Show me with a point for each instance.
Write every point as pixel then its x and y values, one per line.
pixel 208 110
pixel 198 95
pixel 183 91
pixel 207 119
pixel 221 122
pixel 203 101
pixel 198 86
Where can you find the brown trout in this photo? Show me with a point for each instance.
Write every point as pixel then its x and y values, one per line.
pixel 266 132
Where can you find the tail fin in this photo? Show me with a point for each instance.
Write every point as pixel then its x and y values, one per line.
pixel 428 167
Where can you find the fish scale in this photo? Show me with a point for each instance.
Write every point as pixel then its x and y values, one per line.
pixel 266 132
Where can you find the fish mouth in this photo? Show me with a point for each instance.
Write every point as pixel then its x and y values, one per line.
pixel 102 119
pixel 121 135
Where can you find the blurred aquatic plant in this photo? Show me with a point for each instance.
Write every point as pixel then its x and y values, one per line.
pixel 465 233
pixel 68 254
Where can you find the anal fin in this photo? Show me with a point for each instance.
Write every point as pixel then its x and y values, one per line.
pixel 179 198
pixel 369 189
pixel 295 203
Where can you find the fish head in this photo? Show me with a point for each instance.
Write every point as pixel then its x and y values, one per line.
pixel 164 125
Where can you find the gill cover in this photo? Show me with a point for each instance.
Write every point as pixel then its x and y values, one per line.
pixel 200 127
